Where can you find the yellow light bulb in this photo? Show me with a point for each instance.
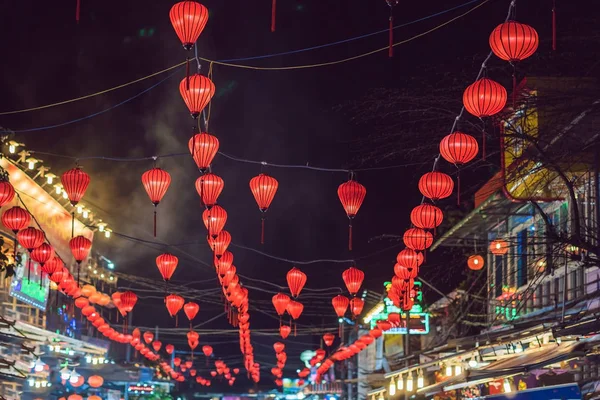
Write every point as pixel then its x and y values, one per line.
pixel 409 383
pixel 107 233
pixel 400 383
pixel 448 370
pixel 85 213
pixel 65 195
pixel 392 389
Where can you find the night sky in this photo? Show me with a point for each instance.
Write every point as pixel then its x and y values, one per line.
pixel 297 117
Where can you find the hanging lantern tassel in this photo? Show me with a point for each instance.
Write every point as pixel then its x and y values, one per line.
pixel 77 10
pixel 514 92
pixel 340 330
pixel 187 74
pixel 78 271
pixel 458 186
pixel 262 229
pixel 350 234
pixel 155 220
pixel 29 267
pixel 483 139
pixel 554 25
pixel 72 224
pixel 273 14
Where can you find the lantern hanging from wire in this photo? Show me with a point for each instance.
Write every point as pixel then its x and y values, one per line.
pixel 75 183
pixel 16 219
pixel 484 98
pixel 356 306
pixel 7 191
pixel 426 216
pixel 280 302
pixel 263 188
pixel 174 303
pixel 458 148
pixel 475 262
pixel 191 310
pixel 156 181
pixel 220 243
pixel 409 258
pixel 513 41
pixel 436 185
pixel 328 338
pixel 499 247
pixel 340 305
pixel 284 331
pixel 209 187
pixel 417 239
pixel 222 264
pixel 42 254
pixel 296 280
pixel 30 238
pixel 295 309
pixel 353 278
pixel 203 148
pixel 166 264
pixel 196 91
pixel 188 19
pixel 351 194
pixel 80 248
pixel 214 220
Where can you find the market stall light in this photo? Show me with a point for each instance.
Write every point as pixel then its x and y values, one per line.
pixel 65 195
pixel 400 382
pixel 448 370
pixel 85 213
pixel 420 380
pixel 107 233
pixel 381 396
pixel 58 188
pixel 12 146
pixel 50 178
pixel 473 362
pixel 74 377
pixel 507 387
pixel 31 162
pixel 392 389
pixel 38 365
pixel 65 374
pixel 457 370
pixel 101 226
pixel 409 382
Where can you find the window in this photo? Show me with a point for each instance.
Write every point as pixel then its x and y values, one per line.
pixel 522 249
pixel 498 276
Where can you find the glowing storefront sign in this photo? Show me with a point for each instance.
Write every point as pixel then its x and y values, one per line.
pixel 28 288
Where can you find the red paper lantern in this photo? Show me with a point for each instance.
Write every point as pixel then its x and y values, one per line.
pixel 128 300
pixel 169 348
pixel 340 305
pixel 188 19
pixel 156 182
pixel 375 333
pixel 296 280
pixel 409 258
pixel 214 220
pixel 174 304
pixel 295 309
pixel 263 188
pixel 417 239
pixel 351 194
pixel 459 148
pixel 53 265
pixel 80 248
pixel 222 264
pixel 220 243
pixel 30 238
pixel 436 185
pixel 405 273
pixel 209 187
pixel 278 347
pixel 16 218
pixel 207 350
pixel 204 148
pixel 484 98
pixel 513 41
pixel 499 247
pixel 166 263
pixel 196 91
pixel 284 331
pixel 191 310
pixel 475 262
pixel 353 278
pixel 328 338
pixel 42 254
pixel 426 216
pixel 75 183
pixel 156 345
pixel 7 191
pixel 356 306
pixel 148 337
pixel 280 302
pixel 384 325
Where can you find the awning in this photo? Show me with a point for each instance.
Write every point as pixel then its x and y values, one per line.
pixel 515 365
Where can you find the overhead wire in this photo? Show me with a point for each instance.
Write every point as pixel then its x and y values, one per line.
pixel 230 63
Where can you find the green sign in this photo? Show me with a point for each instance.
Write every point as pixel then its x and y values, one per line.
pixel 28 288
pixel 419 321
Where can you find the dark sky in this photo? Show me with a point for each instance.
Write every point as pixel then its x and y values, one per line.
pixel 286 117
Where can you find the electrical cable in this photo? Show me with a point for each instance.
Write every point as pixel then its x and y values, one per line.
pixel 229 62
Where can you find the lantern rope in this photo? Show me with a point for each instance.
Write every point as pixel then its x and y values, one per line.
pixel 228 62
